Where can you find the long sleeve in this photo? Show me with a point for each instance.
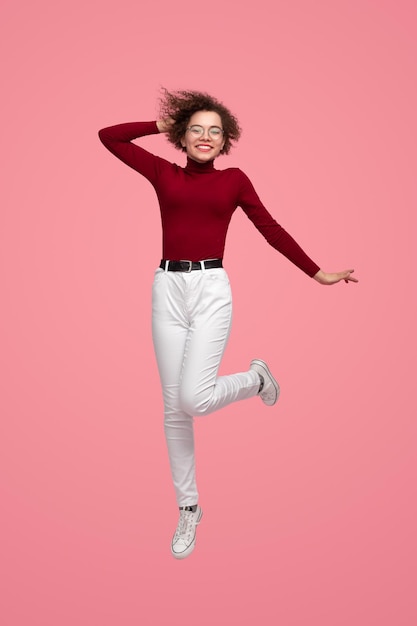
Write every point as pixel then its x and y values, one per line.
pixel 275 235
pixel 118 139
pixel 198 201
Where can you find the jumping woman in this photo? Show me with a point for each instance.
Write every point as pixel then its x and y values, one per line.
pixel 191 297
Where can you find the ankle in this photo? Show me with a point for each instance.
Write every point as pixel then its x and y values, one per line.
pixel 192 508
pixel 261 386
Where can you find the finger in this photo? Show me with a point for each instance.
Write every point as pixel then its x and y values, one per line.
pixel 352 279
pixel 347 276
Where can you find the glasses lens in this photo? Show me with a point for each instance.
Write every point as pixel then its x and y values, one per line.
pixel 196 130
pixel 215 132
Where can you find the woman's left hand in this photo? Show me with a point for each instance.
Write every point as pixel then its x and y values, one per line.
pixel 325 278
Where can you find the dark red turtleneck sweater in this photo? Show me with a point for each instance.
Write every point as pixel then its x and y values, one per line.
pixel 198 201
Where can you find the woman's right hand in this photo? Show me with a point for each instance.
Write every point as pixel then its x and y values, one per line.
pixel 165 124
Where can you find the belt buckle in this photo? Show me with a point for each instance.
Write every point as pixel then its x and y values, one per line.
pixel 190 265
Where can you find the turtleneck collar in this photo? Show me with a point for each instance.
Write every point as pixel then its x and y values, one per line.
pixel 200 168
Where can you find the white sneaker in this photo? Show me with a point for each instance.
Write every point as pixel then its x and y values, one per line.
pixel 270 390
pixel 183 541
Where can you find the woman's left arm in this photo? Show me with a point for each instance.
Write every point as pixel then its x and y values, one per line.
pixel 282 241
pixel 325 278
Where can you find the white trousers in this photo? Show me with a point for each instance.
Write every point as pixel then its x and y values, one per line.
pixel 191 318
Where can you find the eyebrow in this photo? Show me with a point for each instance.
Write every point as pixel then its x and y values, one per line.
pixel 202 126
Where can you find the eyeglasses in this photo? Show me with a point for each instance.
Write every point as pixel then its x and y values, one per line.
pixel 215 132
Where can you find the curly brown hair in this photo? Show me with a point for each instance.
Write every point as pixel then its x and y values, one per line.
pixel 181 105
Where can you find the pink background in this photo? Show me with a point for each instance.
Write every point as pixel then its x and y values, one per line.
pixel 310 510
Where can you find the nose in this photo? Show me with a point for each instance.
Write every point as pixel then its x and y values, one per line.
pixel 205 135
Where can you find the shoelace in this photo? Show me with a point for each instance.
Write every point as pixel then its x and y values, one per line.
pixel 185 525
pixel 269 395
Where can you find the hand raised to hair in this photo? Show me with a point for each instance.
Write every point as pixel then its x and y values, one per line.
pixel 325 278
pixel 165 124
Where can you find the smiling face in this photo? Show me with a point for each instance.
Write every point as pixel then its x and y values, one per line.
pixel 206 147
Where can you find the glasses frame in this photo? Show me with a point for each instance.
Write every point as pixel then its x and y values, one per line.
pixel 209 129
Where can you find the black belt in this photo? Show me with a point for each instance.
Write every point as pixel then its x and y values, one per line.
pixel 189 266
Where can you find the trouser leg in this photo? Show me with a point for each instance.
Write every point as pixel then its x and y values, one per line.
pixel 170 330
pixel 191 325
pixel 210 310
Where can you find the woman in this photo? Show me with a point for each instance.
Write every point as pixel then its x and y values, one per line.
pixel 191 299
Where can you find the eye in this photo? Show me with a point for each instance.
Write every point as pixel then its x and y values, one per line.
pixel 196 130
pixel 215 132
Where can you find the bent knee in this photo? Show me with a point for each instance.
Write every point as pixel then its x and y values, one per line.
pixel 195 404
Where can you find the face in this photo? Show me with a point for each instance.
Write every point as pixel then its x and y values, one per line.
pixel 208 146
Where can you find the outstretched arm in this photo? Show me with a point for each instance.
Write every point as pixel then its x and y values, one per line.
pixel 324 278
pixel 281 240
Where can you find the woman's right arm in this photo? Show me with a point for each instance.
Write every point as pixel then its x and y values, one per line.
pixel 118 139
pixel 165 125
